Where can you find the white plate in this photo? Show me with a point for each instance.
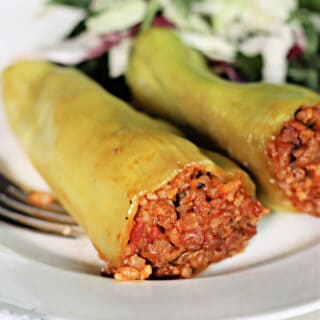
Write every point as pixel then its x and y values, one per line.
pixel 278 275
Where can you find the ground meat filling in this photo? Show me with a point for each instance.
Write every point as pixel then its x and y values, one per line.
pixel 194 220
pixel 295 156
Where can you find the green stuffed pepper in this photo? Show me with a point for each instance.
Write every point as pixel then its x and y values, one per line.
pixel 273 130
pixel 150 201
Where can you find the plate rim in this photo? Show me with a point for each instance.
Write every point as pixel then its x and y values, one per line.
pixel 21 264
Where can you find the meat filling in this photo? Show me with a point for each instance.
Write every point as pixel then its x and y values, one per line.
pixel 194 220
pixel 295 156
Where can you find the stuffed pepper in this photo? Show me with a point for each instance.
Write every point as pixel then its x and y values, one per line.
pixel 273 130
pixel 151 202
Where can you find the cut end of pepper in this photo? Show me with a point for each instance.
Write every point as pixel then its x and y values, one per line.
pixel 194 220
pixel 295 159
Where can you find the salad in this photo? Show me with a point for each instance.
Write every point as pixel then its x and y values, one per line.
pixel 243 40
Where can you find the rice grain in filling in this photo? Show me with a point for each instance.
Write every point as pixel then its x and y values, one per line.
pixel 194 220
pixel 295 159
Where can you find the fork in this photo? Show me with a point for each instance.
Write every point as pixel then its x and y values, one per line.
pixel 16 207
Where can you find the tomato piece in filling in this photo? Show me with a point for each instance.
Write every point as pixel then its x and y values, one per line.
pixel 192 221
pixel 295 159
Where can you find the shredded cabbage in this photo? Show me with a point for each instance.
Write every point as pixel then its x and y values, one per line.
pixel 220 29
pixel 119 58
pixel 117 17
pixel 214 47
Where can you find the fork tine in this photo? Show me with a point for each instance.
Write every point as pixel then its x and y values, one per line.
pixel 23 196
pixel 52 218
pixel 45 226
pixel 36 212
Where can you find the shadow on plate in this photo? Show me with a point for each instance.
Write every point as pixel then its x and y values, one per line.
pixel 69 254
